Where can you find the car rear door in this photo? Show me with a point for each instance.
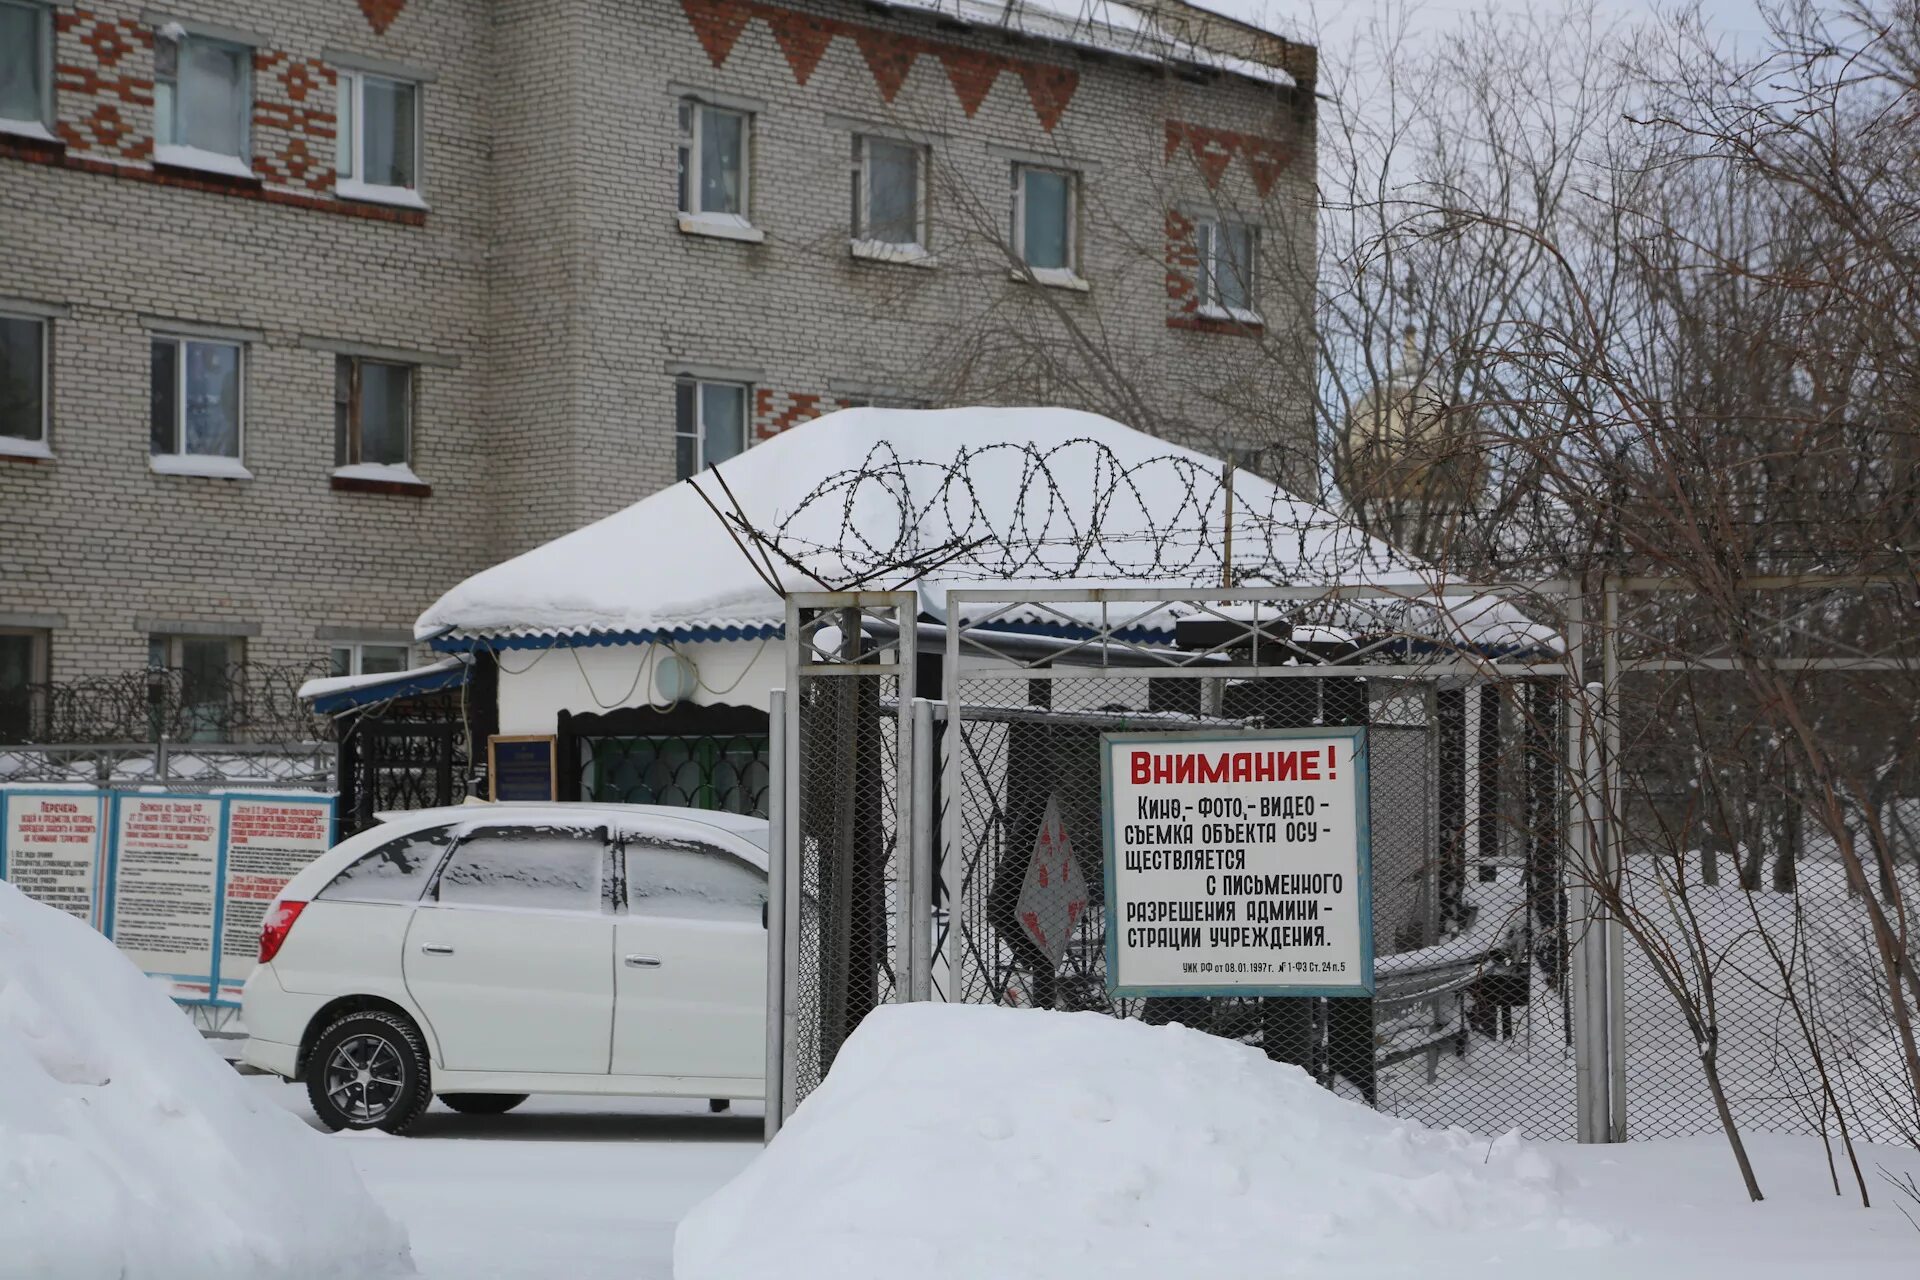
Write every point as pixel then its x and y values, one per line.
pixel 510 954
pixel 690 982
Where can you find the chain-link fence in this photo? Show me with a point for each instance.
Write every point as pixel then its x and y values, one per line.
pixel 1651 905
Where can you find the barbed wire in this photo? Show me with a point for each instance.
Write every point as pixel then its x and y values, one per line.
pixel 1075 510
pixel 249 703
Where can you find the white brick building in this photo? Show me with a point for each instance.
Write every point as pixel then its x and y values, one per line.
pixel 310 308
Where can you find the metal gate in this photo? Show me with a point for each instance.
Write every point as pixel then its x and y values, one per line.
pixel 904 825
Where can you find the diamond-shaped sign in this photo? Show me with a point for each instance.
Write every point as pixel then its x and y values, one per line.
pixel 1054 896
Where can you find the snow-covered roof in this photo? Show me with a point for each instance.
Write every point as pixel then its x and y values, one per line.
pixel 1027 497
pixel 339 693
pixel 1114 26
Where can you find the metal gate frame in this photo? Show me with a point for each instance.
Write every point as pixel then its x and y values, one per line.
pixel 916 940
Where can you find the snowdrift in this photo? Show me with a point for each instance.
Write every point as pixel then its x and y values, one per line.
pixel 130 1151
pixel 961 1141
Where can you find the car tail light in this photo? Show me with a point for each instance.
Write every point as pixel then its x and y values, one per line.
pixel 276 926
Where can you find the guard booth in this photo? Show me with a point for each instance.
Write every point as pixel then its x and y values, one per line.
pixel 912 831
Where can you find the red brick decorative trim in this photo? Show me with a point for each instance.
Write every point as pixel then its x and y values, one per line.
pixel 1183 290
pixel 890 55
pixel 33 151
pixel 381 13
pixel 397 488
pixel 777 411
pixel 1215 149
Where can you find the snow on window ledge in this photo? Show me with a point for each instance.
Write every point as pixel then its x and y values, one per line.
pixel 27 129
pixel 1238 315
pixel 910 255
pixel 1052 277
pixel 205 161
pixel 388 472
pixel 724 226
pixel 12 447
pixel 190 464
pixel 371 193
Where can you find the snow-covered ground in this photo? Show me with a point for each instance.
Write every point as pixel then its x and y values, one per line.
pixel 585 1188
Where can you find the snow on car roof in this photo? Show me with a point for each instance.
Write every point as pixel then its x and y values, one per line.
pixel 747 827
pixel 852 491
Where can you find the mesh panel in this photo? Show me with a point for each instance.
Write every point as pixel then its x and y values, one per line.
pixel 1467 1024
pixel 1735 873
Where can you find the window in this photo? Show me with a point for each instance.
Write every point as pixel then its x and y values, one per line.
pixel 1043 215
pixel 208 673
pixel 713 160
pixel 888 193
pixel 196 399
pixel 355 658
pixel 202 98
pixel 23 384
pixel 396 871
pixel 378 138
pixel 372 412
pixel 23 669
pixel 1226 252
pixel 710 424
pixel 537 868
pixel 728 773
pixel 698 882
pixel 26 66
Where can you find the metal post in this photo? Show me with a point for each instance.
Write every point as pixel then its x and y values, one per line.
pixel 1615 836
pixel 776 911
pixel 1588 1021
pixel 792 879
pixel 920 881
pixel 906 835
pixel 954 741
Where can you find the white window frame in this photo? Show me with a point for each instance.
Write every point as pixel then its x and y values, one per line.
pixel 690 112
pixel 350 108
pixel 1063 277
pixel 353 464
pixel 860 166
pixel 699 432
pixel 356 651
pixel 13 446
pixel 218 466
pixel 1207 240
pixel 186 155
pixel 41 126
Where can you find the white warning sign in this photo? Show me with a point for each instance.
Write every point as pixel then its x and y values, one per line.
pixel 1238 864
pixel 1054 896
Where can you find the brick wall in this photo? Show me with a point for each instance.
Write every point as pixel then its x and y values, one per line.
pixel 118 249
pixel 557 294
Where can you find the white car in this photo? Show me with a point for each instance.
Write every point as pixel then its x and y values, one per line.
pixel 484 953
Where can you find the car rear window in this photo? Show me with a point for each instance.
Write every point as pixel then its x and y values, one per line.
pixel 396 871
pixel 692 880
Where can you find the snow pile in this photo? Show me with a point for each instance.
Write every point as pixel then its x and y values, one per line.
pixel 965 1141
pixel 129 1150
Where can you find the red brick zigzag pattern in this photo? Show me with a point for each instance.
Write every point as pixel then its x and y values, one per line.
pixel 381 13
pixel 1215 149
pixel 889 55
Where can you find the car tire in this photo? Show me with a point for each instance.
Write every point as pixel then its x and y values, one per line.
pixel 482 1104
pixel 369 1071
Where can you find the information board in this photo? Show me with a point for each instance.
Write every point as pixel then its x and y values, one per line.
pixel 166 858
pixel 521 767
pixel 53 849
pixel 179 882
pixel 269 840
pixel 1237 864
